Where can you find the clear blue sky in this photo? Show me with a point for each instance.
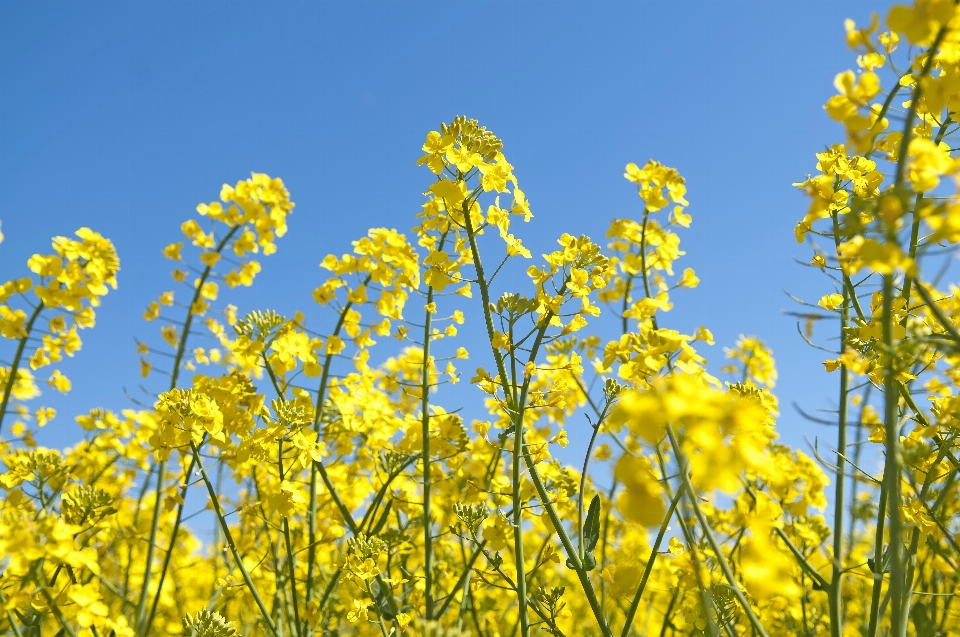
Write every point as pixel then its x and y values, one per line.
pixel 123 116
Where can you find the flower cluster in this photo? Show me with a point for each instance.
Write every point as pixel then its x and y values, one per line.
pixel 62 293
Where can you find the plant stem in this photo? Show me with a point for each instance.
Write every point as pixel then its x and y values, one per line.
pixel 893 463
pixel 173 539
pixel 218 511
pixel 427 485
pixel 291 564
pixel 15 364
pixel 141 623
pixel 317 417
pixel 632 611
pixel 518 433
pixel 52 603
pixel 705 525
pixel 518 522
pixel 517 423
pixel 834 597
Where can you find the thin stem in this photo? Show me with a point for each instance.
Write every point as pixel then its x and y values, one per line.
pixel 461 581
pixel 632 611
pixel 173 540
pixel 603 541
pixel 938 314
pixel 850 290
pixel 291 564
pixel 518 420
pixel 518 520
pixel 667 613
pixel 583 476
pixel 705 525
pixel 162 465
pixel 893 462
pixel 318 413
pixel 218 511
pixel 912 111
pixel 834 596
pixel 151 547
pixel 15 364
pixel 567 545
pixel 706 598
pixel 427 484
pixel 877 564
pixel 52 603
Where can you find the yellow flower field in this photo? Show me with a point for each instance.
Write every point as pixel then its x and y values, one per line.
pixel 353 497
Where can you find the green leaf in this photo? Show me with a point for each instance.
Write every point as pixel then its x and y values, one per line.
pixel 591 529
pixel 589 562
pixel 920 615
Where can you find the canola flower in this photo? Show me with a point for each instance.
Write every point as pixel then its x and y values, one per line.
pixel 361 503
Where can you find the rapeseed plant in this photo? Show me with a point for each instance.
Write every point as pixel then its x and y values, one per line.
pixel 362 505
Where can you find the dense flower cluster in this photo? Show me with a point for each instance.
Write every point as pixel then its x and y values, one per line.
pixel 348 499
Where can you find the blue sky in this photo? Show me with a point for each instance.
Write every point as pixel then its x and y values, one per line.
pixel 123 116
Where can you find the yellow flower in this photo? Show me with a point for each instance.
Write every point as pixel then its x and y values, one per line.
pixel 689 279
pixel 172 251
pixel 170 334
pixel 59 382
pixel 929 162
pixel 640 500
pixel 831 301
pixel 359 611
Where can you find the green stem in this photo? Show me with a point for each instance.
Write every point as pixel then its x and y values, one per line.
pixel 151 547
pixel 893 462
pixel 938 314
pixel 892 465
pixel 834 596
pixel 717 549
pixel 427 484
pixel 52 603
pixel 627 288
pixel 15 365
pixel 218 511
pixel 643 252
pixel 425 417
pixel 924 489
pixel 169 554
pixel 141 624
pixel 632 611
pixel 350 522
pixel 667 613
pixel 914 98
pixel 461 581
pixel 518 521
pixel 604 542
pixel 13 625
pixel 567 545
pixel 517 423
pixel 318 413
pixel 850 291
pixel 583 476
pixel 518 433
pixel 877 564
pixel 804 563
pixel 291 564
pixel 706 597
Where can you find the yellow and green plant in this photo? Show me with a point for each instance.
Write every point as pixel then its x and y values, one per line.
pixel 351 498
